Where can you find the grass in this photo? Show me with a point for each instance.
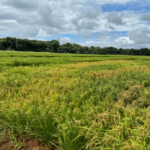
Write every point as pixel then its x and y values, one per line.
pixel 76 102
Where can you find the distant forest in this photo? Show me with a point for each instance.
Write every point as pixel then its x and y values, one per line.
pixel 54 46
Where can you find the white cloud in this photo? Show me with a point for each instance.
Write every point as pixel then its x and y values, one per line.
pixel 65 40
pixel 107 36
pixel 146 17
pixel 86 34
pixel 102 2
pixel 29 19
pixel 96 43
pixel 123 42
pixel 115 18
pixel 28 32
pixel 21 4
pixel 141 36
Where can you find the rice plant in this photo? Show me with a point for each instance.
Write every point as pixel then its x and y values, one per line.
pixel 75 102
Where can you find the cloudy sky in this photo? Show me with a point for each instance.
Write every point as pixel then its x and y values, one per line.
pixel 103 23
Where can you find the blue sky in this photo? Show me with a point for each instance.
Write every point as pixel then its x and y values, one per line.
pixel 135 6
pixel 118 23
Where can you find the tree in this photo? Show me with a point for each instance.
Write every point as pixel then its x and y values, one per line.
pixel 20 45
pixel 86 49
pixel 92 49
pixel 55 45
pixel 144 51
pixel 1 45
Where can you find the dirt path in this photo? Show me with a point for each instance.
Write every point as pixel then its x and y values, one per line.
pixel 29 145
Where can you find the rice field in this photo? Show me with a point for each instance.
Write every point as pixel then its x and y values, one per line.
pixel 75 102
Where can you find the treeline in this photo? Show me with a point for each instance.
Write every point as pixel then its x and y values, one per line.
pixel 54 46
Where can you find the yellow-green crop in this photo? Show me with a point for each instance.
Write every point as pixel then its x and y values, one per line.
pixel 78 101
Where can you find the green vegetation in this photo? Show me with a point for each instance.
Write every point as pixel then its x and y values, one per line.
pixel 76 102
pixel 54 46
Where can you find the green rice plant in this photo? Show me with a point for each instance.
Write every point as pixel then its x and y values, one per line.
pixel 71 137
pixel 16 121
pixel 42 126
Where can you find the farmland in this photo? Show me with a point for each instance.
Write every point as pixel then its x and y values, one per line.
pixel 75 101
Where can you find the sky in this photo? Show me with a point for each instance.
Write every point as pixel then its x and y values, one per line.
pixel 103 23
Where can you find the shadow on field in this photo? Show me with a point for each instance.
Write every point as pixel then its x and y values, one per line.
pixel 17 63
pixel 27 56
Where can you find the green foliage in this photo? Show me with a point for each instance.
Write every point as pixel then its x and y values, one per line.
pixel 10 43
pixel 42 126
pixel 71 137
